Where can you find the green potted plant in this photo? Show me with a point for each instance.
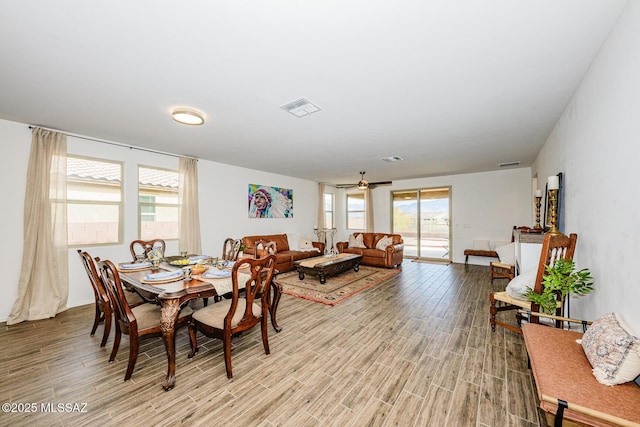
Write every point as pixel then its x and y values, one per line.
pixel 561 280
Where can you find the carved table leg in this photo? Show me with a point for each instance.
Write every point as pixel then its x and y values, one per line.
pixel 170 309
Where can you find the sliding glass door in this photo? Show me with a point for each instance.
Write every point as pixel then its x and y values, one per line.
pixel 422 218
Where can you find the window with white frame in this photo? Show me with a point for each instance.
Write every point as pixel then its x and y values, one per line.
pixel 355 211
pixel 158 203
pixel 328 210
pixel 94 201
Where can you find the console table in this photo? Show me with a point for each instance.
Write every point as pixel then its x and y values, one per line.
pixel 528 247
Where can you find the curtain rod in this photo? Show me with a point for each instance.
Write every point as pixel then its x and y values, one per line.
pixel 129 146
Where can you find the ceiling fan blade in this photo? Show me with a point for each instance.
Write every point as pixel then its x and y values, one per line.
pixel 344 185
pixel 375 184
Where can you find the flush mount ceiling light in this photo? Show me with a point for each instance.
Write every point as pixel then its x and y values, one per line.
pixel 392 159
pixel 300 107
pixel 187 117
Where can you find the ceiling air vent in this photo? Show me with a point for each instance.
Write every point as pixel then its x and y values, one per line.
pixel 300 107
pixel 504 165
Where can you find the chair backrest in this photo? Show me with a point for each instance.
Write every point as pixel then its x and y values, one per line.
pixel 231 249
pixel 261 273
pixel 122 312
pixel 554 247
pixel 263 247
pixel 89 264
pixel 143 247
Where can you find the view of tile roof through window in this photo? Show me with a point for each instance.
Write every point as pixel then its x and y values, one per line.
pixel 93 170
pixel 158 177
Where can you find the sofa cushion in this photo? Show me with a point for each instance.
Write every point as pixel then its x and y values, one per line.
pixel 356 241
pixel 373 253
pixel 357 251
pixel 612 350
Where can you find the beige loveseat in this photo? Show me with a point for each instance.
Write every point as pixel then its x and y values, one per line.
pixel 389 257
pixel 284 255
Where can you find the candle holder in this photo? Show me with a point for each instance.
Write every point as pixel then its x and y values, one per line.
pixel 553 201
pixel 329 250
pixel 538 204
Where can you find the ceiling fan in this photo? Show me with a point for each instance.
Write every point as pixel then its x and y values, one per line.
pixel 363 184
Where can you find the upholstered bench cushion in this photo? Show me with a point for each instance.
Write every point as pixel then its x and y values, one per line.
pixel 562 371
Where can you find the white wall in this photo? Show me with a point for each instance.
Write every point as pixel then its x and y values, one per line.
pixel 223 207
pixel 595 144
pixel 484 206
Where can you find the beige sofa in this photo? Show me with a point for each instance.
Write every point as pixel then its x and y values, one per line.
pixel 390 257
pixel 284 255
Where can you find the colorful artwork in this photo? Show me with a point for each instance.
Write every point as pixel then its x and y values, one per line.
pixel 270 202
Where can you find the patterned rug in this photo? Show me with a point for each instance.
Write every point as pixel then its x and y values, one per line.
pixel 338 287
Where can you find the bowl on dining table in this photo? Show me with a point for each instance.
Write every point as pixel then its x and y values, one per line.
pixel 199 269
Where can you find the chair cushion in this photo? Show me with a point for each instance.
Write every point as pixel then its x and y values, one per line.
pixel 481 245
pixel 507 254
pixel 612 350
pixel 356 241
pixel 213 315
pixel 384 242
pixel 148 315
pixel 518 286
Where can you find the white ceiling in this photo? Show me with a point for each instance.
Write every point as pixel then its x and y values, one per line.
pixel 452 86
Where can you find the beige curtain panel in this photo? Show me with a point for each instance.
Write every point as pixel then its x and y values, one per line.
pixel 43 287
pixel 189 219
pixel 368 206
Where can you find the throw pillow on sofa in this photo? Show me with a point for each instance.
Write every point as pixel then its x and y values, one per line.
pixel 306 245
pixel 356 241
pixel 384 242
pixel 612 350
pixel 261 251
pixel 294 241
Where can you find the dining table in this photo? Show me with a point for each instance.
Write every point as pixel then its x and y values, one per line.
pixel 172 295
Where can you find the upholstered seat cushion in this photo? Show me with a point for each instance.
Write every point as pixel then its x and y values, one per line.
pixel 213 315
pixel 562 371
pixel 148 315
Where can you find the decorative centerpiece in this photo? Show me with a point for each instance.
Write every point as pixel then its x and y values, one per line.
pixel 560 281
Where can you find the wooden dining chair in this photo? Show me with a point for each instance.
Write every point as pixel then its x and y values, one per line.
pixel 103 311
pixel 137 322
pixel 238 314
pixel 553 248
pixel 231 249
pixel 143 247
pixel 262 248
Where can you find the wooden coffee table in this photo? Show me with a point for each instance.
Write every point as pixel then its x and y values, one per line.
pixel 330 267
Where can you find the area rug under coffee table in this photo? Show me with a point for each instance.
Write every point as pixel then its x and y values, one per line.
pixel 337 288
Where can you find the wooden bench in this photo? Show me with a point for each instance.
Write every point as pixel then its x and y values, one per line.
pixel 569 393
pixel 477 252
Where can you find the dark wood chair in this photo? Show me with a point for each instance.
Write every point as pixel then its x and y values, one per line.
pixel 233 316
pixel 143 247
pixel 262 248
pixel 136 322
pixel 103 306
pixel 231 249
pixel 553 248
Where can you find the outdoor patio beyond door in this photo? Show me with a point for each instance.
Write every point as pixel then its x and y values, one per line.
pixel 422 218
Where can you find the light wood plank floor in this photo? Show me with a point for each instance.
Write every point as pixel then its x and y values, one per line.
pixel 416 350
